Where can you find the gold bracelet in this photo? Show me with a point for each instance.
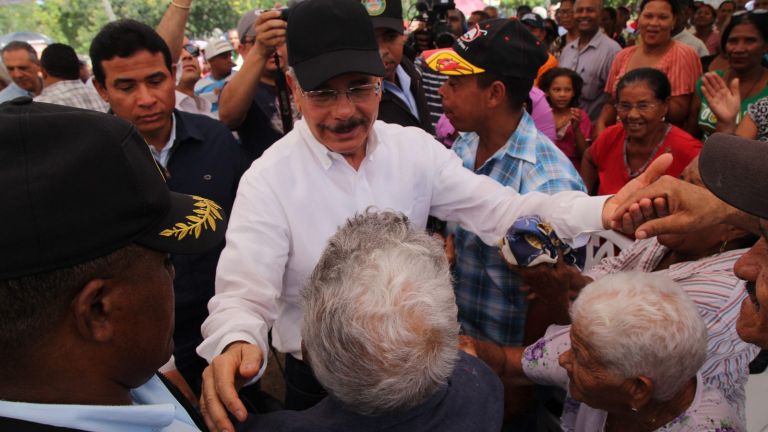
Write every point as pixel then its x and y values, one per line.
pixel 173 2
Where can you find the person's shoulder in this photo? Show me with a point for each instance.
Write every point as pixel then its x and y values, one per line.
pixel 679 136
pixel 709 411
pixel 608 43
pixel 395 134
pixel 282 421
pixel 207 126
pixel 683 50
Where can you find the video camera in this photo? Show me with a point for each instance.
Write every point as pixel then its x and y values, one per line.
pixel 435 14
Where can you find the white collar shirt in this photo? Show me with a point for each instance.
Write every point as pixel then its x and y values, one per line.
pixel 297 194
pixel 154 409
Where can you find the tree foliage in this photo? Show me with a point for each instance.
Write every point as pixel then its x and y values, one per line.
pixel 76 22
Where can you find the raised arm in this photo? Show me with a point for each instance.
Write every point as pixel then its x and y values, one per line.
pixel 171 26
pixel 237 95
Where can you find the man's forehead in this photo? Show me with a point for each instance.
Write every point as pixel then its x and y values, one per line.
pixel 345 80
pixel 16 56
pixel 138 65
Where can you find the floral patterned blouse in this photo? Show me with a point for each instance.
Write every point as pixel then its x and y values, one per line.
pixel 709 410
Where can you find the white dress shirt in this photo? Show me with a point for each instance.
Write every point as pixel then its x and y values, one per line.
pixel 295 196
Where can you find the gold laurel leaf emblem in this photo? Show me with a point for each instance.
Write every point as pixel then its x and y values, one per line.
pixel 204 217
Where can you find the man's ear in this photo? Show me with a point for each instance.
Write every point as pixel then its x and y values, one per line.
pixel 101 90
pixel 92 310
pixel 497 94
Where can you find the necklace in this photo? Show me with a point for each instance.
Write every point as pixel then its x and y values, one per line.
pixel 759 79
pixel 633 174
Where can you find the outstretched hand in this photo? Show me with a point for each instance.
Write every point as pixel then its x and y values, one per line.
pixel 669 205
pixel 228 372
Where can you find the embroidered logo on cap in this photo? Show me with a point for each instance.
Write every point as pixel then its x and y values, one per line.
pixel 375 7
pixel 205 216
pixel 473 34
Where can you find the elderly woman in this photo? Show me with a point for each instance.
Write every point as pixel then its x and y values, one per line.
pixel 623 151
pixel 701 262
pixel 678 61
pixel 657 50
pixel 630 360
pixel 744 42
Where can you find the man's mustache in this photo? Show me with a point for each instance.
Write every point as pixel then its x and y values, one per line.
pixel 346 125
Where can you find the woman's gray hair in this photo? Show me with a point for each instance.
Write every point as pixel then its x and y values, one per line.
pixel 380 325
pixel 642 324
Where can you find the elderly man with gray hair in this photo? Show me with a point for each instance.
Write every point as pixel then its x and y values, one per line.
pixel 380 333
pixel 630 360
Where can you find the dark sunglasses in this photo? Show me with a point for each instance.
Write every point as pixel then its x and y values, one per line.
pixel 192 49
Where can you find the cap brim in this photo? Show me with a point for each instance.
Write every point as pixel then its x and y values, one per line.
pixel 313 72
pixel 388 22
pixel 733 168
pixel 446 61
pixel 192 225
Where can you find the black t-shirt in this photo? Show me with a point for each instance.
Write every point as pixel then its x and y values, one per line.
pixel 256 132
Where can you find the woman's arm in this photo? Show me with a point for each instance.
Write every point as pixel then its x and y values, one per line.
pixel 692 122
pixel 588 170
pixel 506 362
pixel 678 109
pixel 607 117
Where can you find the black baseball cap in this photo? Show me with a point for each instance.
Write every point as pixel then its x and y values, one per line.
pixel 327 38
pixel 500 46
pixel 734 168
pixel 79 184
pixel 533 20
pixel 385 14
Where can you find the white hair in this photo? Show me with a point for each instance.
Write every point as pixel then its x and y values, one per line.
pixel 380 326
pixel 643 324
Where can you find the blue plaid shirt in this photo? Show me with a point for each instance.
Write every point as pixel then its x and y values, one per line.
pixel 491 306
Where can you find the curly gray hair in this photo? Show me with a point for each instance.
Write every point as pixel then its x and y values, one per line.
pixel 380 325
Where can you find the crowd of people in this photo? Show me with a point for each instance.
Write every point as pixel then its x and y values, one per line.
pixel 178 210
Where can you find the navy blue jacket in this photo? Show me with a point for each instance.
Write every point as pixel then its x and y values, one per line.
pixel 473 401
pixel 205 160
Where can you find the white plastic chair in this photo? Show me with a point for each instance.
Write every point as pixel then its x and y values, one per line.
pixel 604 244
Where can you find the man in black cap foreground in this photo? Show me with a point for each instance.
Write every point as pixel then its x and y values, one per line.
pixel 402 100
pixel 426 384
pixel 86 282
pixel 733 171
pixel 336 162
pixel 134 74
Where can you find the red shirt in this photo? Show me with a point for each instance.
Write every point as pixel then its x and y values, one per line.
pixel 608 154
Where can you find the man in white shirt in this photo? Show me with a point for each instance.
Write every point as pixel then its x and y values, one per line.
pixel 335 163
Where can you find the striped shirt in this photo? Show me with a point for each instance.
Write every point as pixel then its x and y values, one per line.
pixel 718 293
pixel 491 306
pixel 73 93
pixel 680 64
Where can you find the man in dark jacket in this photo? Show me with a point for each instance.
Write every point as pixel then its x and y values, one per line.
pixel 134 74
pixel 403 100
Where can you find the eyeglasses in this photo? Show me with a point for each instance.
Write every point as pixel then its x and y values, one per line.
pixel 358 94
pixel 642 107
pixel 192 49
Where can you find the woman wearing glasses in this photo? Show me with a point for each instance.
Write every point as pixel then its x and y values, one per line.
pixel 623 151
pixel 658 50
pixel 744 42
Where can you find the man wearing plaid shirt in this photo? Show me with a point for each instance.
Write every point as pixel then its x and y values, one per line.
pixel 491 70
pixel 61 78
